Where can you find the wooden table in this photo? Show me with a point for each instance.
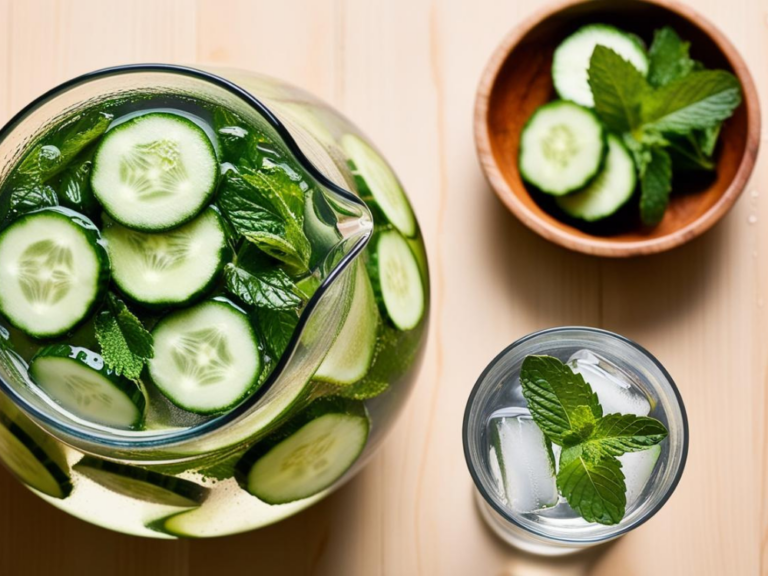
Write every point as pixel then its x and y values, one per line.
pixel 406 71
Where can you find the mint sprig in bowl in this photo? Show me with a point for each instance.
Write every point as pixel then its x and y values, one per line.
pixel 687 170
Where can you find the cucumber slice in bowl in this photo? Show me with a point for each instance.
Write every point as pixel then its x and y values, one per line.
pixel 376 181
pixel 206 358
pixel 351 354
pixel 29 462
pixel 53 271
pixel 397 280
pixel 168 268
pixel 142 484
pixel 571 59
pixel 78 380
pixel 609 191
pixel 309 455
pixel 154 172
pixel 562 148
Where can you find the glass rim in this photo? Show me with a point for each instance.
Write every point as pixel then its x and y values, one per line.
pixel 542 533
pixel 176 437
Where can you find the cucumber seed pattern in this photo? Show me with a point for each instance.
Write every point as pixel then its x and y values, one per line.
pixel 45 274
pixel 203 356
pixel 311 455
pixel 153 171
pixel 559 145
pixel 85 392
pixel 161 252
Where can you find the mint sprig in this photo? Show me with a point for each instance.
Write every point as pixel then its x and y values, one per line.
pixel 125 344
pixel 569 414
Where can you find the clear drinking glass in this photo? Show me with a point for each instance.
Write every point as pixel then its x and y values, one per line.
pixel 34 431
pixel 557 531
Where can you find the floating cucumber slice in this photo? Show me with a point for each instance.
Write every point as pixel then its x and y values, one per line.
pixel 376 180
pixel 397 280
pixel 142 484
pixel 53 271
pixel 31 463
pixel 154 172
pixel 78 380
pixel 351 354
pixel 206 357
pixel 562 147
pixel 322 443
pixel 571 59
pixel 168 268
pixel 609 191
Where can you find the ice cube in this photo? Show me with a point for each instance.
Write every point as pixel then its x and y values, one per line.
pixel 525 464
pixel 637 468
pixel 613 388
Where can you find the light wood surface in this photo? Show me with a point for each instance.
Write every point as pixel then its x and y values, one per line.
pixel 406 71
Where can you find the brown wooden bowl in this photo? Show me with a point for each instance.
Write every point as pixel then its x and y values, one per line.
pixel 517 80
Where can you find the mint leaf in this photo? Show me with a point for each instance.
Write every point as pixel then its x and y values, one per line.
pixel 707 138
pixel 277 327
pixel 74 185
pixel 266 212
pixel 655 186
pixel 620 433
pixel 556 397
pixel 125 344
pixel 687 154
pixel 583 423
pixel 593 483
pixel 618 89
pixel 27 197
pixel 52 154
pixel 700 100
pixel 668 57
pixel 271 288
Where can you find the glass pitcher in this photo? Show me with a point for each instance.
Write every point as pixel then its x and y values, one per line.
pixel 331 395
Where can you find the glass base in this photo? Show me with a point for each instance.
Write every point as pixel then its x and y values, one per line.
pixel 519 538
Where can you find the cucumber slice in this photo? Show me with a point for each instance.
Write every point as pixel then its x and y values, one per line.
pixel 206 357
pixel 571 59
pixel 398 280
pixel 169 268
pixel 376 180
pixel 351 355
pixel 53 271
pixel 154 172
pixel 562 147
pixel 78 380
pixel 322 443
pixel 31 463
pixel 609 191
pixel 142 484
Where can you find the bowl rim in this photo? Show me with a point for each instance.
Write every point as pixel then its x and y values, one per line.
pixel 595 245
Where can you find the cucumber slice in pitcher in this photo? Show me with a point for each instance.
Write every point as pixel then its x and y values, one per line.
pixel 313 451
pixel 562 148
pixel 206 358
pixel 142 484
pixel 168 268
pixel 397 280
pixel 53 271
pixel 154 172
pixel 376 180
pixel 351 354
pixel 78 380
pixel 30 462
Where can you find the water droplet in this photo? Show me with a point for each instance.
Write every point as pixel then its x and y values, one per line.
pixel 752 219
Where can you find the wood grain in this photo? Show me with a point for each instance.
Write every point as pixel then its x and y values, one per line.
pixel 406 71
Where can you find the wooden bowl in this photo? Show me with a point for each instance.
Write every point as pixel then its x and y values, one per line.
pixel 517 80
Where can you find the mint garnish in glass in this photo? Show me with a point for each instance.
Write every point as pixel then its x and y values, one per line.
pixel 567 411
